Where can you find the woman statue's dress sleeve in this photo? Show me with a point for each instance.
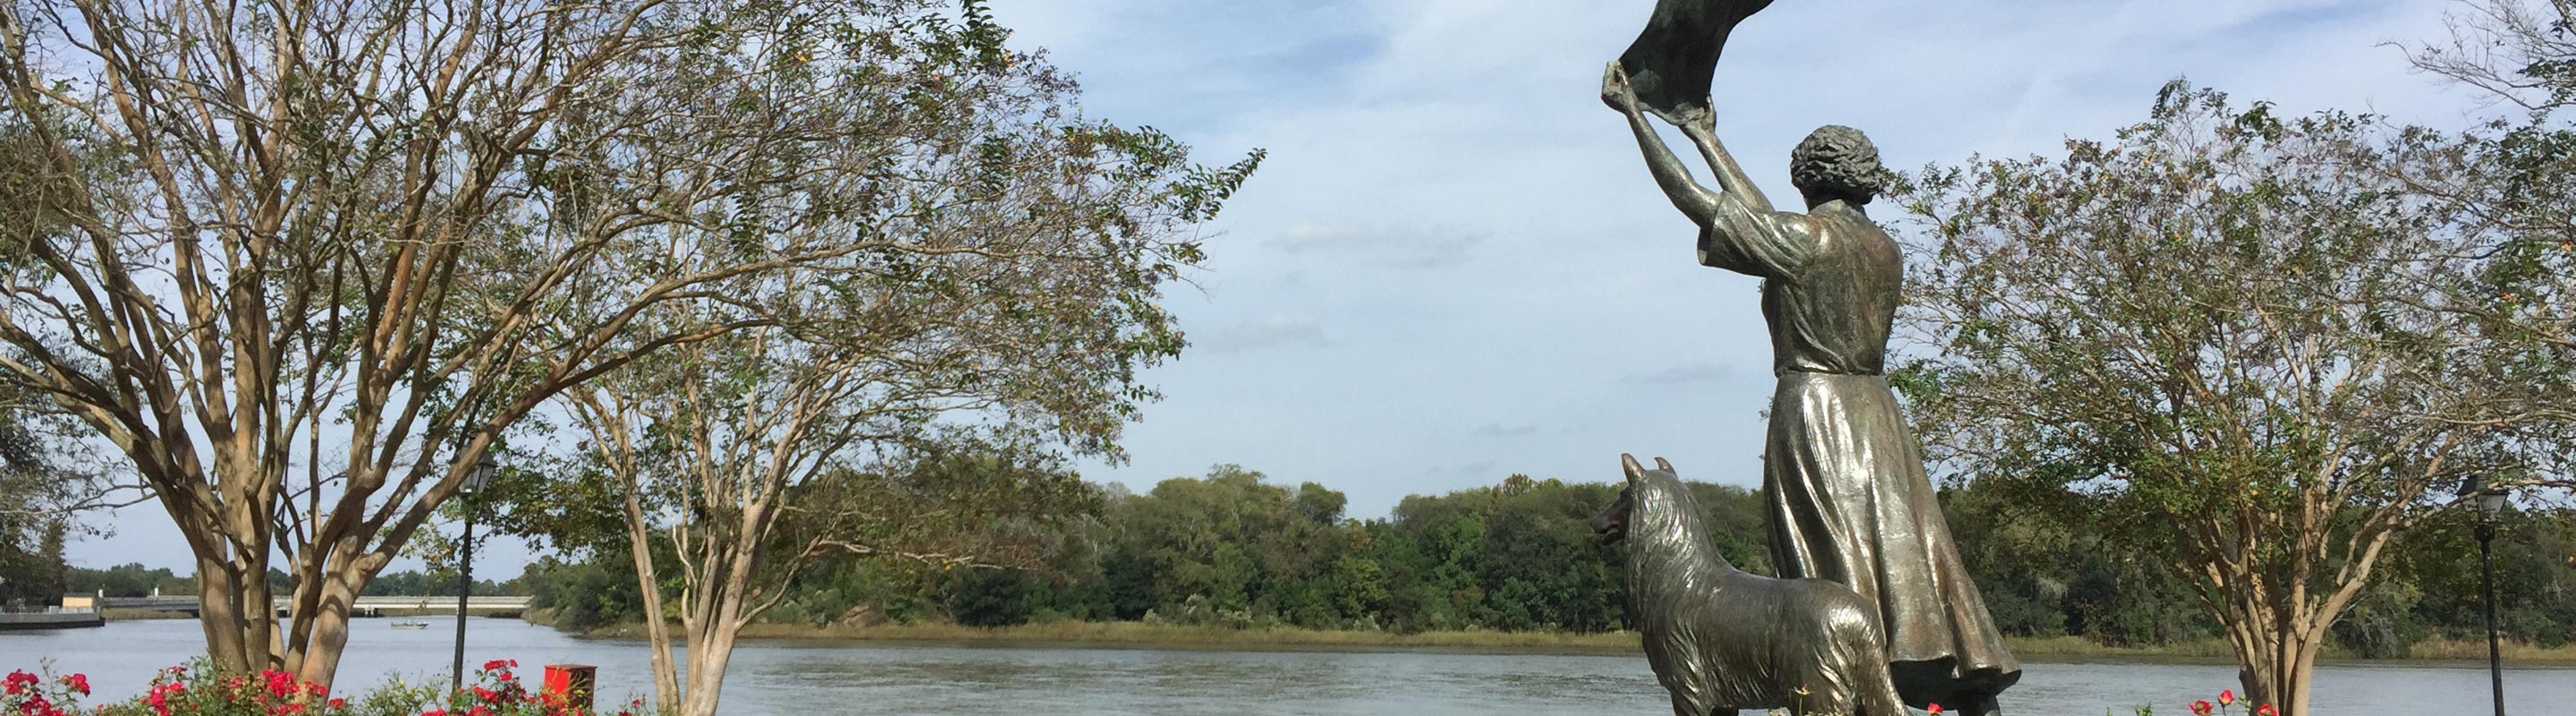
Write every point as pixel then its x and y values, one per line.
pixel 1768 244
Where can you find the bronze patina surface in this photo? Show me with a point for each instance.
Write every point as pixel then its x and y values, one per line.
pixel 1843 477
pixel 1720 639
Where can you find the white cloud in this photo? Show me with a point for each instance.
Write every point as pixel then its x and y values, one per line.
pixel 1469 128
pixel 1268 332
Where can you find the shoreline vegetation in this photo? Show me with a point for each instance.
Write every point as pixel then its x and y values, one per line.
pixel 1174 636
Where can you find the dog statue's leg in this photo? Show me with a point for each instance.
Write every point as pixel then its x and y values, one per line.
pixel 1873 694
pixel 1685 707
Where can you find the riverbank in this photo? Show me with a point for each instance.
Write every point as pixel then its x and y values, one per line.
pixel 1143 635
pixel 1172 636
pixel 2068 648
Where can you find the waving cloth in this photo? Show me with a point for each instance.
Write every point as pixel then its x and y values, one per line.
pixel 1671 62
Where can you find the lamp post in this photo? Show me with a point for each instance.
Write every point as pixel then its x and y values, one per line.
pixel 2489 502
pixel 475 480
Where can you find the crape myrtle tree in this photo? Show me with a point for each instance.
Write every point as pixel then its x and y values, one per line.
pixel 305 263
pixel 1002 281
pixel 2516 181
pixel 2250 344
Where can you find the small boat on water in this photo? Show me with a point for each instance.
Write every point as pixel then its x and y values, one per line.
pixel 411 625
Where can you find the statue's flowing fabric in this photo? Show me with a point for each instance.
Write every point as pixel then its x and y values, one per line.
pixel 1671 63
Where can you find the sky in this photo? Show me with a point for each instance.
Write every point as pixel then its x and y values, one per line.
pixel 1453 266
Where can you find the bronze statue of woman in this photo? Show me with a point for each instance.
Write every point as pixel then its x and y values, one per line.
pixel 1842 475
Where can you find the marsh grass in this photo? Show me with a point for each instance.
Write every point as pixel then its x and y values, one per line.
pixel 1140 634
pixel 2476 650
pixel 1137 633
pixel 118 614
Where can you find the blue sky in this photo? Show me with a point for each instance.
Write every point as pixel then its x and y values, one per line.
pixel 1453 267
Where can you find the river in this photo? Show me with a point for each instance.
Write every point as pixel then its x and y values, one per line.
pixel 799 677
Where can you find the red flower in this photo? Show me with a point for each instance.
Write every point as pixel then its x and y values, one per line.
pixel 2200 708
pixel 434 712
pixel 2265 710
pixel 78 682
pixel 2226 697
pixel 159 699
pixel 1935 710
pixel 339 703
pixel 18 682
pixel 484 694
pixel 498 664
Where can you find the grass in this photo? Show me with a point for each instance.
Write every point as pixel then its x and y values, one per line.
pixel 1139 634
pixel 118 614
pixel 2476 650
pixel 2080 647
pixel 2217 650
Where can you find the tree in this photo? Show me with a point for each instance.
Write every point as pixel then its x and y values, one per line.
pixel 2521 51
pixel 2515 181
pixel 2249 341
pixel 258 242
pixel 1232 548
pixel 1006 263
pixel 46 479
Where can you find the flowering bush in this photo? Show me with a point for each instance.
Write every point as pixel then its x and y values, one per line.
pixel 496 691
pixel 28 694
pixel 198 690
pixel 2226 704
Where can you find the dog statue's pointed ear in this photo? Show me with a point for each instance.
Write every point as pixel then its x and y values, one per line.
pixel 1664 466
pixel 1629 463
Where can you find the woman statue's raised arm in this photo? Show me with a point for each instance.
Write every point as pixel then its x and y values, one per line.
pixel 1692 199
pixel 1687 195
pixel 1738 230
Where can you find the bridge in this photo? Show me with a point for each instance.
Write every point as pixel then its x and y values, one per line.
pixel 365 606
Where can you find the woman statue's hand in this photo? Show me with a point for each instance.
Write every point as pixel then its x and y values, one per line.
pixel 1615 90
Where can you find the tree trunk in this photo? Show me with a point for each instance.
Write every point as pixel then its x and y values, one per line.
pixel 219 614
pixel 709 651
pixel 324 631
pixel 718 619
pixel 657 628
pixel 2274 666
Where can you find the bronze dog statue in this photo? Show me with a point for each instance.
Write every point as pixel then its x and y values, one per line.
pixel 1720 639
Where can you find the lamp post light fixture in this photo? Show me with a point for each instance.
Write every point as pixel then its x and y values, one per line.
pixel 2490 501
pixel 475 480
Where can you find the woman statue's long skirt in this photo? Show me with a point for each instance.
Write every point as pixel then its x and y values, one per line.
pixel 1849 501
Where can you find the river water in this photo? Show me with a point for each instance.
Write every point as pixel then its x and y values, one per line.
pixel 796 678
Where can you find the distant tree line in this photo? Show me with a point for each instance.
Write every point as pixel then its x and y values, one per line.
pixel 136 580
pixel 1234 550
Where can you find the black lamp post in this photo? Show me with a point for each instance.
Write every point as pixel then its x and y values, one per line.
pixel 475 480
pixel 2489 502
